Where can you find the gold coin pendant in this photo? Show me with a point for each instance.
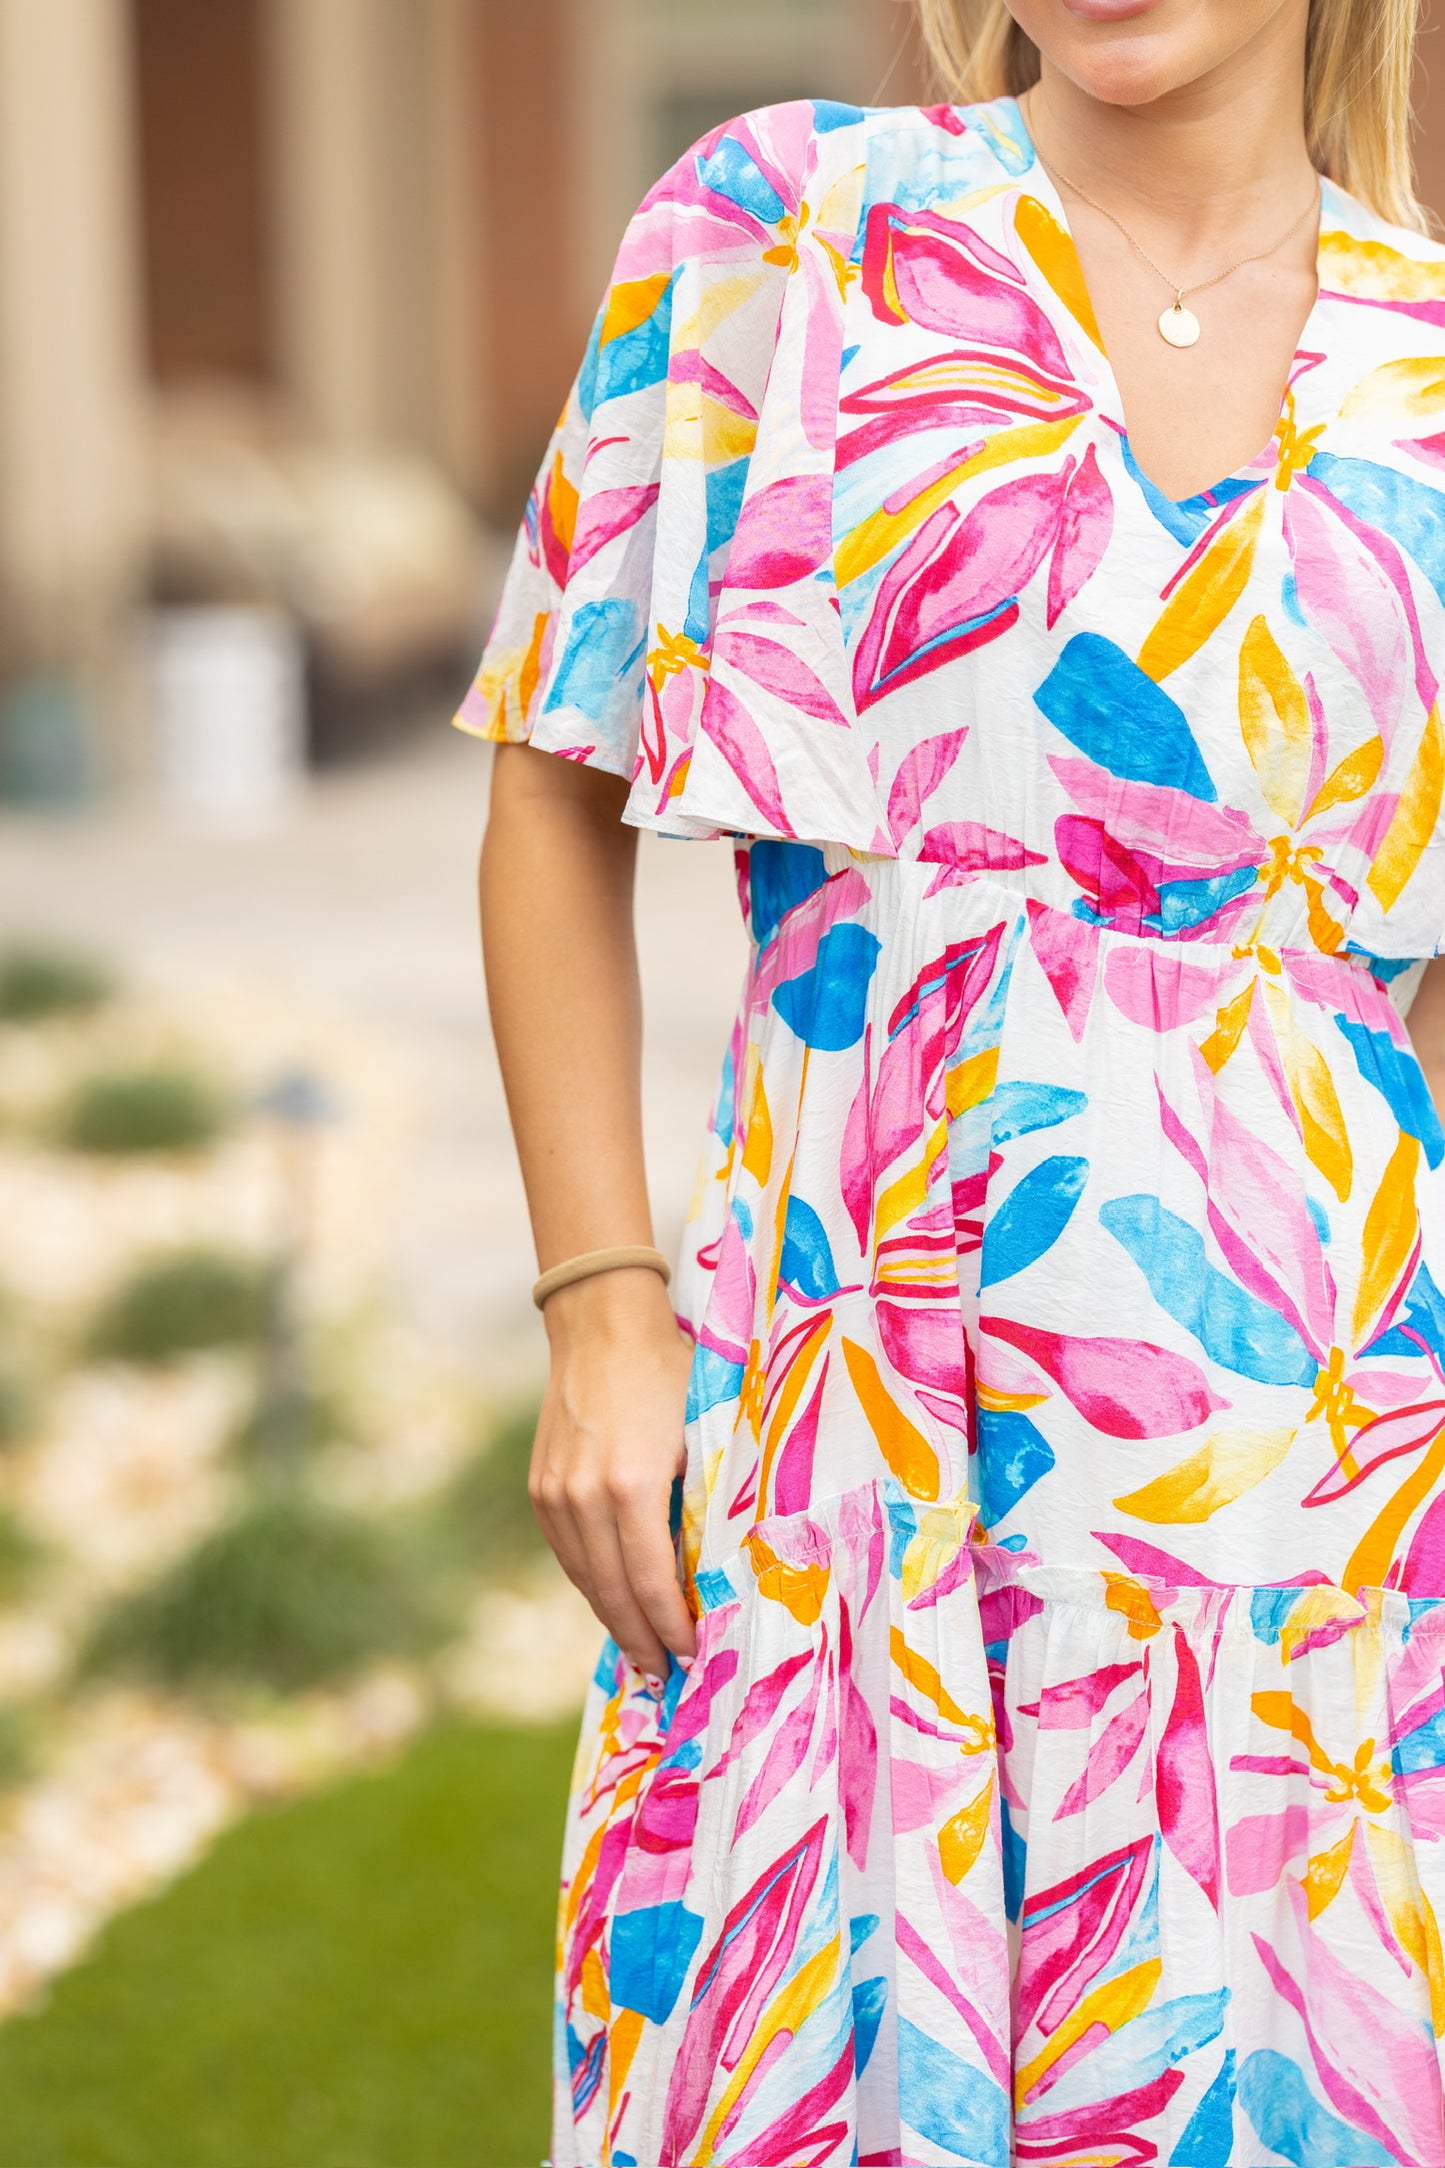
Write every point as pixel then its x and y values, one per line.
pixel 1180 326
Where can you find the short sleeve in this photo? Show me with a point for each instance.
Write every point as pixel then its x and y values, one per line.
pixel 670 613
pixel 565 662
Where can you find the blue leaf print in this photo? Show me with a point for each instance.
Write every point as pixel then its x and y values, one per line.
pixel 1321 1219
pixel 806 1262
pixel 870 1999
pixel 1384 968
pixel 902 1528
pixel 1185 904
pixel 1269 1612
pixel 731 172
pixel 1103 703
pixel 602 661
pixel 1233 1326
pixel 827 1005
pixel 1012 1455
pixel 1395 1071
pixel 829 114
pixel 780 876
pixel 712 1380
pixel 1019 1106
pixel 1032 1217
pixel 1408 511
pixel 631 361
pixel 724 491
pixel 1208 2138
pixel 860 1927
pixel 1142 2049
pixel 723 1122
pixel 1015 1862
pixel 950 2103
pixel 1424 1313
pixel 649 1952
pixel 1290 2121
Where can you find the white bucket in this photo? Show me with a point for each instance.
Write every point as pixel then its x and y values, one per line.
pixel 228 700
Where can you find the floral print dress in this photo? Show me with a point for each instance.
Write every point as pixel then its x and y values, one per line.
pixel 1061 1778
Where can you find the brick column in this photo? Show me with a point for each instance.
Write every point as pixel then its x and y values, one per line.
pixel 71 401
pixel 531 319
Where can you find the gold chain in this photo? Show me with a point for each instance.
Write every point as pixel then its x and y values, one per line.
pixel 1199 285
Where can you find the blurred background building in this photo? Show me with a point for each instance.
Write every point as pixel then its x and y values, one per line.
pixel 290 293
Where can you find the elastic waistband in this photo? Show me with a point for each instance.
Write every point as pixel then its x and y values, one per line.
pixel 927 881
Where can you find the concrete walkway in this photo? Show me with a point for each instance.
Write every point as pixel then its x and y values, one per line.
pixel 362 908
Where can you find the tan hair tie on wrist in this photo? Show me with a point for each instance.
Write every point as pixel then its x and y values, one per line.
pixel 594 1261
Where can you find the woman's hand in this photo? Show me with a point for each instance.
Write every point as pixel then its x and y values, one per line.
pixel 609 1445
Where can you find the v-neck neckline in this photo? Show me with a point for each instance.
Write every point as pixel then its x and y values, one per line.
pixel 1041 181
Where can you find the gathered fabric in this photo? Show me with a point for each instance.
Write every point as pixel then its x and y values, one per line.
pixel 1061 1777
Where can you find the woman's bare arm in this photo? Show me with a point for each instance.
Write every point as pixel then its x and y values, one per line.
pixel 1426 1025
pixel 556 900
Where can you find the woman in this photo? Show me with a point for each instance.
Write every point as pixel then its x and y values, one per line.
pixel 1042 1756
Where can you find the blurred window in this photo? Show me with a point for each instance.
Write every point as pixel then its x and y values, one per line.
pixel 202 159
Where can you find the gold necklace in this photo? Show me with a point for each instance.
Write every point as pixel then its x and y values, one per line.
pixel 1180 326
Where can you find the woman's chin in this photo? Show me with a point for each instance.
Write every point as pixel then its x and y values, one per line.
pixel 1118 57
pixel 1134 52
pixel 1122 71
pixel 1133 80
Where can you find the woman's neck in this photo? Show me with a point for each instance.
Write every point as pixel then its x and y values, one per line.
pixel 1210 162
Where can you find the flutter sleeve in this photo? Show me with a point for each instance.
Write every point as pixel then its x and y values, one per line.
pixel 670 614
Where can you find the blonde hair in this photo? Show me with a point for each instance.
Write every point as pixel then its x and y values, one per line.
pixel 1358 64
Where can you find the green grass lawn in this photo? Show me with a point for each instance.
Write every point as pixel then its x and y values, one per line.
pixel 361 1980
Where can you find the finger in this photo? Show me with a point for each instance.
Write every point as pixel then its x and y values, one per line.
pixel 651 1563
pixel 574 1514
pixel 558 1524
pixel 622 1619
pixel 565 1539
pixel 615 1602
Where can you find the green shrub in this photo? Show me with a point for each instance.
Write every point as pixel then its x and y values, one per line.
pixel 287 1595
pixel 17 1747
pixel 143 1110
pixel 482 1519
pixel 285 1430
pixel 173 1305
pixel 21 1556
pixel 37 981
pixel 16 1408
